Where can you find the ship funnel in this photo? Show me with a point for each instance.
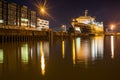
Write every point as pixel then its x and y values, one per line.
pixel 86 12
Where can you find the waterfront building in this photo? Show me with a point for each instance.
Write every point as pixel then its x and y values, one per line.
pixel 42 24
pixel 33 20
pixel 24 16
pixel 12 14
pixel 3 12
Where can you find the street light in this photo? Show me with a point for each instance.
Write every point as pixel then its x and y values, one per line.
pixel 112 26
pixel 43 7
pixel 42 10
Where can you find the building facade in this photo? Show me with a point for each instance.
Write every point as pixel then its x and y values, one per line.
pixel 3 12
pixel 24 16
pixel 33 20
pixel 14 15
pixel 42 24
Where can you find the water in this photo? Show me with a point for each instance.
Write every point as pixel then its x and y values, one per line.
pixel 91 58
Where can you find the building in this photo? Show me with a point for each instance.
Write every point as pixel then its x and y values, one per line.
pixel 3 12
pixel 33 20
pixel 24 16
pixel 13 15
pixel 42 24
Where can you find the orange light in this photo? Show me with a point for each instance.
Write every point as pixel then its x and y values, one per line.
pixel 112 26
pixel 42 10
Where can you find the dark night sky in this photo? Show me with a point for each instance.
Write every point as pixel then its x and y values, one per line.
pixel 63 11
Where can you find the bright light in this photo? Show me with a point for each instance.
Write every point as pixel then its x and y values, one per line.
pixel 1 21
pixel 112 47
pixel 112 27
pixel 42 59
pixel 42 10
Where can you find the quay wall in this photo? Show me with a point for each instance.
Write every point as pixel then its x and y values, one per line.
pixel 11 35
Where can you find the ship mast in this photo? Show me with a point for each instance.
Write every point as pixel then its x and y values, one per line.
pixel 86 12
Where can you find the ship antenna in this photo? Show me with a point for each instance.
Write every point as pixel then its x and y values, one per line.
pixel 86 12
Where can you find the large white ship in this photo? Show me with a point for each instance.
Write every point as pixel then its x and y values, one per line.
pixel 87 24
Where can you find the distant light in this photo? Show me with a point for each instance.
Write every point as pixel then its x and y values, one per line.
pixel 112 26
pixel 43 9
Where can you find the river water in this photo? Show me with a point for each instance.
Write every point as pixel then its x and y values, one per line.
pixel 81 58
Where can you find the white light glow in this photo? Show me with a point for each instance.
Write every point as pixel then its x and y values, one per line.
pixel 112 47
pixel 42 59
pixel 77 29
pixel 1 21
pixel 97 48
pixel 24 19
pixel 24 24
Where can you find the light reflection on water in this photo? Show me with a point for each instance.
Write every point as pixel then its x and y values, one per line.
pixel 88 49
pixel 63 49
pixel 112 47
pixel 42 59
pixel 72 58
pixel 24 53
pixel 73 51
pixel 97 47
pixel 1 55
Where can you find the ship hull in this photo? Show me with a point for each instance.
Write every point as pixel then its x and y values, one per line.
pixel 87 28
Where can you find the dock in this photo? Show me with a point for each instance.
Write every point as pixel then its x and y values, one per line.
pixel 9 34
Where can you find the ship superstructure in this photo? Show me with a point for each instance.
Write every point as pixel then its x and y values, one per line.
pixel 87 24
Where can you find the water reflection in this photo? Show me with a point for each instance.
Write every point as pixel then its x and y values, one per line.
pixel 63 49
pixel 42 59
pixel 43 54
pixel 73 51
pixel 24 53
pixel 1 55
pixel 87 49
pixel 112 47
pixel 97 47
pixel 82 50
pixel 77 57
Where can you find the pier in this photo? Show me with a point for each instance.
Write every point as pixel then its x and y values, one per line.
pixel 11 34
pixel 15 34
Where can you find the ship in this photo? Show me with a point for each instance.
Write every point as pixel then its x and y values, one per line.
pixel 87 24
